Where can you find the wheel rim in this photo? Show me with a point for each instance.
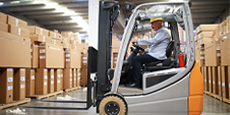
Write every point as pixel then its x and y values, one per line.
pixel 112 108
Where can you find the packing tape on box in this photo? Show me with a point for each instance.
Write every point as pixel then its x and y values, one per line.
pixel 16 22
pixel 223 84
pixel 45 77
pixel 42 57
pixel 32 77
pixel 9 87
pixel 45 83
pixel 10 79
pixel 59 81
pixel 52 82
pixel 52 76
pixel 9 69
pixel 22 86
pixel 19 31
pixel 67 55
pixel 22 78
pixel 42 51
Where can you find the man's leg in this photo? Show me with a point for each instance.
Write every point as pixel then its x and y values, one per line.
pixel 138 61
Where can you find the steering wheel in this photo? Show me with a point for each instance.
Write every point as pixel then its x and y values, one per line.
pixel 138 47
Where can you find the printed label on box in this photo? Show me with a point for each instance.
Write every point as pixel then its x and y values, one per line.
pixel 52 82
pixel 223 84
pixel 59 76
pixel 44 39
pixel 22 78
pixel 31 50
pixel 45 83
pixel 209 81
pixel 59 81
pixel 70 80
pixel 52 76
pixel 84 57
pixel 79 78
pixel 19 31
pixel 31 57
pixel 9 69
pixel 32 77
pixel 45 77
pixel 42 57
pixel 54 35
pixel 22 69
pixel 70 75
pixel 16 22
pixel 41 31
pixel 213 82
pixel 79 74
pixel 67 60
pixel 84 61
pixel 219 83
pixel 67 55
pixel 205 80
pixel 42 51
pixel 10 79
pixel 22 86
pixel 10 87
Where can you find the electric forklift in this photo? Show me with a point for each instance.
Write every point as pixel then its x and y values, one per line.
pixel 167 88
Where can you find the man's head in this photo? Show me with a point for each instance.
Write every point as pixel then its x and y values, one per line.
pixel 156 23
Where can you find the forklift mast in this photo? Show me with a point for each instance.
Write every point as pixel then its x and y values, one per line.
pixel 99 61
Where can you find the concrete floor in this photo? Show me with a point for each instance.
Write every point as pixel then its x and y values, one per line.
pixel 211 106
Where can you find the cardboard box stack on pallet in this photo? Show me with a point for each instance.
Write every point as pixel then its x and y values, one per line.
pixel 115 48
pixel 15 57
pixel 34 59
pixel 216 65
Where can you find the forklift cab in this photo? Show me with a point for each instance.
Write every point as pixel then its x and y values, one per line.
pixel 167 89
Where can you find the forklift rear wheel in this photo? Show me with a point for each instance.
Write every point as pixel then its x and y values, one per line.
pixel 112 105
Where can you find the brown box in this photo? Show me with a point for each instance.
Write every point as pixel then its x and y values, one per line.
pixel 212 54
pixel 16 22
pixel 55 35
pixel 6 84
pixel 78 77
pixel 51 56
pixel 3 18
pixel 74 78
pixel 205 34
pixel 30 82
pixel 14 53
pixel 50 80
pixel 206 27
pixel 23 32
pixel 72 59
pixel 39 38
pixel 56 42
pixel 204 40
pixel 39 31
pixel 67 34
pixel 62 78
pixel 67 78
pixel 224 49
pixel 41 81
pixel 19 84
pixel 3 27
pixel 57 79
pixel 34 54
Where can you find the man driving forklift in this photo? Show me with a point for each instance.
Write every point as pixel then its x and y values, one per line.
pixel 155 52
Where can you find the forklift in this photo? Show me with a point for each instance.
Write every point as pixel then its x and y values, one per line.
pixel 167 88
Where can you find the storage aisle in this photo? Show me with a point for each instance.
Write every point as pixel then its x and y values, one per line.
pixel 211 106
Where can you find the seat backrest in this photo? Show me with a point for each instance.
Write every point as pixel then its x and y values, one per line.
pixel 170 48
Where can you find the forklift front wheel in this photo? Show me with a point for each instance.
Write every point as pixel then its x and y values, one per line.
pixel 112 105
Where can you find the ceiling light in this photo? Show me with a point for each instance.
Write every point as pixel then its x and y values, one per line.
pixel 15 2
pixel 1 3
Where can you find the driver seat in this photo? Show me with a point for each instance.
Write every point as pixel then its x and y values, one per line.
pixel 164 64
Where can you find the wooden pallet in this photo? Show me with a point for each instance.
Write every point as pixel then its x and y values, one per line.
pixel 15 103
pixel 226 100
pixel 71 89
pixel 39 97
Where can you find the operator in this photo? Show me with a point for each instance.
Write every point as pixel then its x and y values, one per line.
pixel 155 52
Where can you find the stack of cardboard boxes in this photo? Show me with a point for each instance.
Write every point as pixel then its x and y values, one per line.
pixel 216 67
pixel 34 60
pixel 15 57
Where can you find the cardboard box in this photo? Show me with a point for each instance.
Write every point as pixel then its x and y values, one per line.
pixel 57 80
pixel 55 35
pixel 56 42
pixel 23 32
pixel 212 54
pixel 206 27
pixel 51 56
pixel 67 78
pixel 6 84
pixel 16 22
pixel 62 78
pixel 34 54
pixel 3 18
pixel 204 40
pixel 74 78
pixel 72 59
pixel 30 82
pixel 39 31
pixel 3 27
pixel 50 80
pixel 39 38
pixel 14 53
pixel 205 34
pixel 67 34
pixel 224 49
pixel 41 81
pixel 19 84
pixel 78 77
